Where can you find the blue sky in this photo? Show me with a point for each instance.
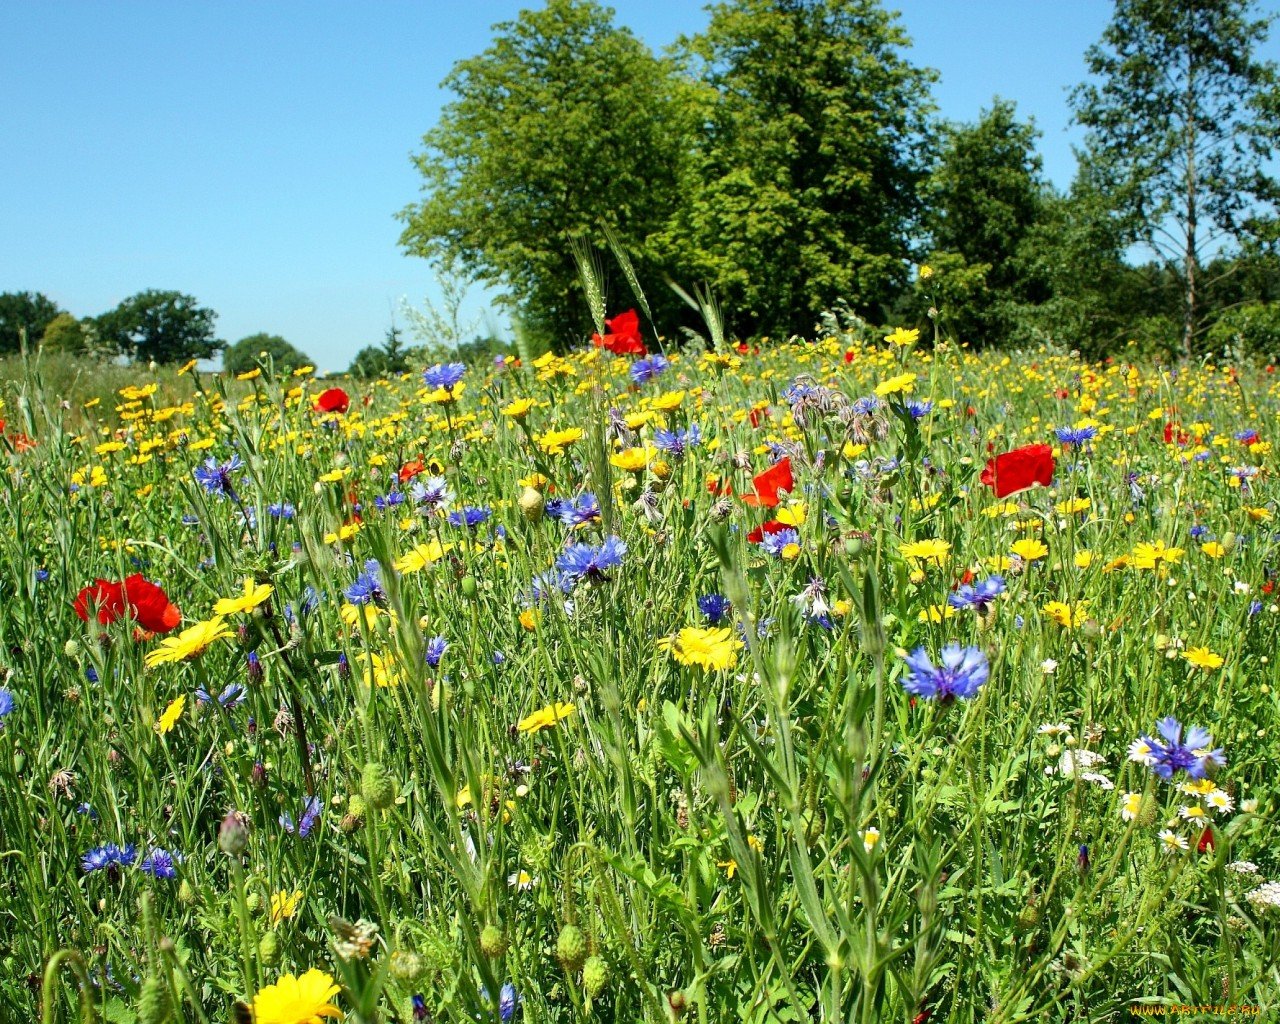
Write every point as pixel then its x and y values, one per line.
pixel 255 154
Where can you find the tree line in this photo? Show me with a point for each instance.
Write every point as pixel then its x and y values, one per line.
pixel 788 158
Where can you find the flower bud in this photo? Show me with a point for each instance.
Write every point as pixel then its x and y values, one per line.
pixel 532 504
pixel 233 834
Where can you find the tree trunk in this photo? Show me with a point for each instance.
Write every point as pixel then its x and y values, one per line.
pixel 1191 266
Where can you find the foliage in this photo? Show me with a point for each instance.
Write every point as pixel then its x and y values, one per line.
pixel 65 333
pixel 161 327
pixel 564 125
pixel 802 184
pixel 1182 119
pixel 262 349
pixel 29 311
pixel 1252 329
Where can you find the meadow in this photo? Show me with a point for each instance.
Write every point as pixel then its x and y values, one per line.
pixel 856 679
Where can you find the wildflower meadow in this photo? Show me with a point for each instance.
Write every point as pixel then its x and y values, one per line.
pixel 850 679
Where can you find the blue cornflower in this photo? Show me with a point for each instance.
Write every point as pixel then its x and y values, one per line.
pixel 87 810
pixel 392 499
pixel 546 583
pixel 1198 531
pixel 776 543
pixel 1192 754
pixel 444 376
pixel 676 442
pixel 499 659
pixel 91 673
pixel 310 815
pixel 367 589
pixel 419 1007
pixel 231 697
pixel 582 561
pixel 436 647
pixel 508 1000
pixel 867 405
pixel 962 672
pixel 6 705
pixel 574 511
pixel 159 863
pixel 469 516
pixel 919 410
pixel 433 492
pixel 1076 435
pixel 979 595
pixel 215 476
pixel 190 520
pixel 1255 607
pixel 645 370
pixel 42 575
pixel 714 608
pixel 281 510
pixel 108 856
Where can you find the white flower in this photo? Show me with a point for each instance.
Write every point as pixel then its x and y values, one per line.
pixel 1073 762
pixel 1098 779
pixel 1054 729
pixel 1241 587
pixel 1048 666
pixel 1172 841
pixel 1220 801
pixel 1249 806
pixel 1193 813
pixel 521 880
pixel 1141 752
pixel 1266 896
pixel 1243 867
pixel 870 837
pixel 1130 804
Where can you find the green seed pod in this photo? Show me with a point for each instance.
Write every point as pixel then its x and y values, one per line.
pixel 186 894
pixel 154 1003
pixel 1148 811
pixel 377 786
pixel 595 975
pixel 470 588
pixel 493 943
pixel 253 902
pixel 1028 916
pixel 1229 540
pixel 72 649
pixel 269 949
pixel 853 547
pixel 407 966
pixel 571 948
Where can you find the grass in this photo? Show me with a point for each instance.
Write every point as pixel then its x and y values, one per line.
pixel 565 801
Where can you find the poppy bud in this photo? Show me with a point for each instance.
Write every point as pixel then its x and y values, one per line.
pixel 269 949
pixel 532 504
pixel 470 589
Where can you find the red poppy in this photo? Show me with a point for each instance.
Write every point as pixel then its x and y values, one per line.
pixel 148 605
pixel 623 338
pixel 769 483
pixel 771 527
pixel 333 400
pixel 1173 432
pixel 849 354
pixel 758 416
pixel 1017 470
pixel 411 469
pixel 720 486
pixel 1207 842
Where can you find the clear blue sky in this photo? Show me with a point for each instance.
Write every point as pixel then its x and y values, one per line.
pixel 254 154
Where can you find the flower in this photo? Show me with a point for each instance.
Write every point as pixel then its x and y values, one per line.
pixel 159 863
pixel 979 595
pixel 554 442
pixel 284 905
pixel 189 643
pixel 676 442
pixel 169 718
pixel 444 376
pixel 1172 841
pixel 333 400
pixel 645 370
pixel 1202 657
pixel 436 647
pixel 6 705
pixel 254 594
pixel 297 1000
pixel 546 717
pixel 215 476
pixel 1029 549
pixel 1076 435
pixel 421 555
pixel 902 337
pixel 1130 805
pixel 932 550
pixel 962 672
pixel 623 337
pixel 306 824
pixel 1067 616
pixel 367 588
pixel 774 480
pixel 714 607
pixel 1017 470
pixel 712 649
pixel 903 383
pixel 135 597
pixel 582 561
pixel 1192 754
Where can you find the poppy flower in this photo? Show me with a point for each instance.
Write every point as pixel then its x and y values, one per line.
pixel 758 416
pixel 768 484
pixel 148 605
pixel 1017 470
pixel 623 338
pixel 1207 842
pixel 769 528
pixel 411 469
pixel 333 400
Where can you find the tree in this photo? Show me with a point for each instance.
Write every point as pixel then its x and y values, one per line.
pixel 66 334
pixel 565 125
pixel 24 310
pixel 1181 121
pixel 983 198
pixel 803 186
pixel 385 360
pixel 160 326
pixel 262 348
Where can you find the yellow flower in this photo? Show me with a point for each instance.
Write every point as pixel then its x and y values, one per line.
pixel 529 619
pixel 187 367
pixel 1213 549
pixel 903 383
pixel 1152 556
pixel 189 643
pixel 554 442
pixel 901 337
pixel 926 272
pixel 1130 806
pixel 421 556
pixel 1202 657
pixel 519 409
pixel 1072 505
pixel 1065 615
pixel 632 460
pixel 284 905
pixel 671 400
pixel 380 671
pixel 1259 514
pixel 108 447
pixel 345 532
pixel 792 515
pixel 1083 559
pixel 171 715
pixel 1029 549
pixel 293 1000
pixel 535 480
pixel 333 476
pixel 936 613
pixel 253 374
pixel 254 594
pixel 933 550
pixel 546 717
pixel 712 649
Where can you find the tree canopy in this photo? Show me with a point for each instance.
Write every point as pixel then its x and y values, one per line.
pixel 262 348
pixel 160 326
pixel 29 311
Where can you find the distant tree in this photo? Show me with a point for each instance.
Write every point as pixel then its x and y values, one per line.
pixel 24 310
pixel 1182 120
pixel 566 124
pixel 803 187
pixel 370 363
pixel 984 197
pixel 67 334
pixel 249 352
pixel 160 326
pixel 394 352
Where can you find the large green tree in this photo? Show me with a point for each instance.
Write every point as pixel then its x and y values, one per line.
pixel 564 126
pixel 262 348
pixel 803 186
pixel 1182 119
pixel 24 311
pixel 160 326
